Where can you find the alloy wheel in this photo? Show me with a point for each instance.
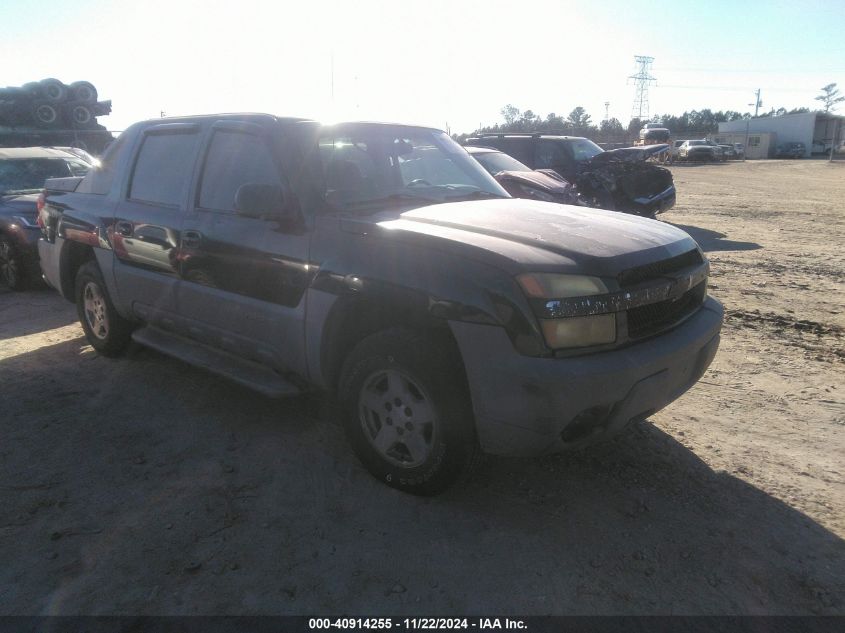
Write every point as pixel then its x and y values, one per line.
pixel 397 418
pixel 95 310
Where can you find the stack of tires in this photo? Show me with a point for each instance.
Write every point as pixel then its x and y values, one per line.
pixel 51 104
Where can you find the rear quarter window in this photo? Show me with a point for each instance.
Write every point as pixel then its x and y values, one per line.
pixel 163 168
pixel 100 178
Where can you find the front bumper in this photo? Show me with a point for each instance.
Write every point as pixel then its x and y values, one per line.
pixel 658 203
pixel 530 406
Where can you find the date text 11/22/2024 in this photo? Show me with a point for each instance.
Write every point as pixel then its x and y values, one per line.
pixel 411 624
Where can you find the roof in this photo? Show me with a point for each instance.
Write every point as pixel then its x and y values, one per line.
pixel 7 153
pixel 551 135
pixel 480 149
pixel 259 116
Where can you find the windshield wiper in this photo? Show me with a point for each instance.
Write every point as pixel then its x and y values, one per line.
pixel 17 192
pixel 394 197
pixel 476 195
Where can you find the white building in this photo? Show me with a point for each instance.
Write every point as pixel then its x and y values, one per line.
pixel 807 128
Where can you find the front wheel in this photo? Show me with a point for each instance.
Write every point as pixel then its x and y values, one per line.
pixel 11 268
pixel 407 412
pixel 106 331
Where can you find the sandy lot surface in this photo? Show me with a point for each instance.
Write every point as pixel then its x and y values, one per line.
pixel 144 486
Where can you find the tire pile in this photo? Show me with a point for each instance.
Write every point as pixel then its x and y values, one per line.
pixel 50 104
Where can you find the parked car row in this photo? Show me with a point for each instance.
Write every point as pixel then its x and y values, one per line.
pixel 706 150
pixel 22 175
pixel 790 150
pixel 385 266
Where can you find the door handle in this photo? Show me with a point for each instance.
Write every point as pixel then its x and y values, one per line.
pixel 191 239
pixel 124 228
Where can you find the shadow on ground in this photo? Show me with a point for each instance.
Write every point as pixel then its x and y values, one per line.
pixel 711 241
pixel 17 308
pixel 144 486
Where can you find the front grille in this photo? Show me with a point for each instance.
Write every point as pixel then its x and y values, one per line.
pixel 652 318
pixel 637 275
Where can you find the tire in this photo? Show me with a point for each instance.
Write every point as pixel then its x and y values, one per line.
pixel 46 115
pixel 106 331
pixel 83 91
pixel 402 383
pixel 81 115
pixel 11 268
pixel 53 90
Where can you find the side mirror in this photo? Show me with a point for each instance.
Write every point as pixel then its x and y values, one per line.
pixel 262 201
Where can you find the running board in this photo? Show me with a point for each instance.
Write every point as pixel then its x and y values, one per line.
pixel 247 373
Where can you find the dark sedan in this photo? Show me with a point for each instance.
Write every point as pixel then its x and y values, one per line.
pixel 521 181
pixel 22 174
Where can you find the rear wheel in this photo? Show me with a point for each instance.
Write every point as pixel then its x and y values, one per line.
pixel 407 412
pixel 106 331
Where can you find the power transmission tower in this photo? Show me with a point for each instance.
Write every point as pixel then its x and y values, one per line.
pixel 642 78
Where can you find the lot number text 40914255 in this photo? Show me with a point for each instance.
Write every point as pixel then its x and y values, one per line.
pixel 412 624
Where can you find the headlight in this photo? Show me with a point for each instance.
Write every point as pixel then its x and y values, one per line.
pixel 584 331
pixel 569 332
pixel 558 286
pixel 24 222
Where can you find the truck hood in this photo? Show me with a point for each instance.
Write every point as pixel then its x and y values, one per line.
pixel 538 235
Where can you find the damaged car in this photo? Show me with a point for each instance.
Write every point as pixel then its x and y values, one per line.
pixel 618 180
pixel 523 182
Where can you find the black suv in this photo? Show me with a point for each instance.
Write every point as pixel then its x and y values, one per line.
pixel 618 180
pixel 380 263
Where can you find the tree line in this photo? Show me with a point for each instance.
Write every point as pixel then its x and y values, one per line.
pixel 691 124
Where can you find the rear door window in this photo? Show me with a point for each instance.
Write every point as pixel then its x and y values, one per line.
pixel 551 154
pixel 519 148
pixel 163 168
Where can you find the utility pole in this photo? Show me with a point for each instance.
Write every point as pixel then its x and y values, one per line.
pixel 642 78
pixel 757 103
pixel 745 147
pixel 607 110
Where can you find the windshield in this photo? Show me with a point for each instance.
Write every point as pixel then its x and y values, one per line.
pixel 494 162
pixel 19 175
pixel 371 166
pixel 696 143
pixel 584 149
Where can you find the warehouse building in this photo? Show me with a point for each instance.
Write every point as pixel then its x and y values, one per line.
pixel 817 130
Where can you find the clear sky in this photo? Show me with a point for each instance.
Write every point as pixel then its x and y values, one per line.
pixel 452 63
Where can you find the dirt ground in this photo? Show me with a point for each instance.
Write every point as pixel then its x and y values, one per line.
pixel 144 486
